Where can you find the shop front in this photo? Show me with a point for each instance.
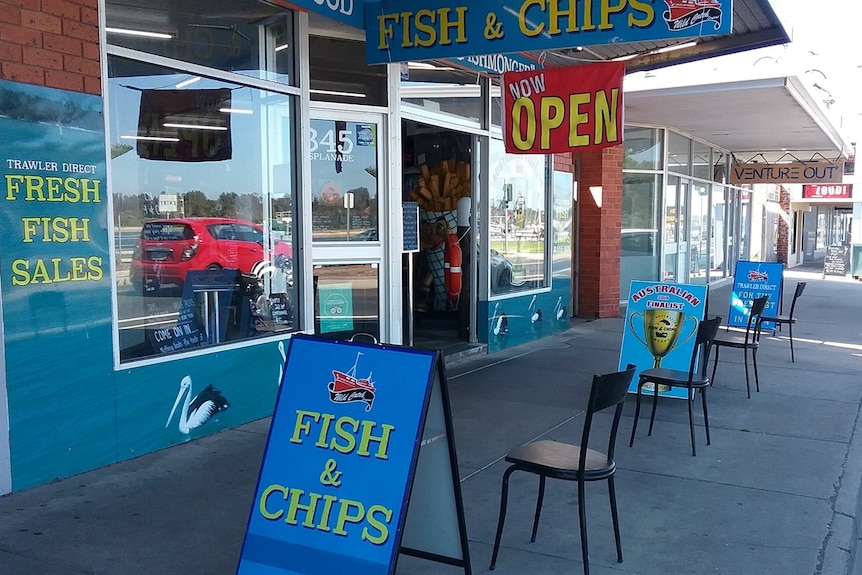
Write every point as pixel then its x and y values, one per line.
pixel 243 175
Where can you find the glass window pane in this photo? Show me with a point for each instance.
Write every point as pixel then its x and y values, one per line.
pixel 344 204
pixel 699 255
pixel 518 199
pixel 346 300
pixel 241 36
pixel 642 148
pixel 339 73
pixel 717 232
pixel 446 90
pixel 678 154
pixel 639 247
pixel 202 182
pixel 701 163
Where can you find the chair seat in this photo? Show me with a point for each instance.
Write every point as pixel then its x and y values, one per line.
pixel 673 377
pixel 778 318
pixel 735 340
pixel 560 460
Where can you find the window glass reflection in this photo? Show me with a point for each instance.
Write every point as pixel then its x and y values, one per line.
pixel 344 201
pixel 202 180
pixel 346 300
pixel 240 36
pixel 639 245
pixel 518 199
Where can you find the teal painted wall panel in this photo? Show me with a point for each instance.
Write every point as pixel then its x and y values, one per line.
pixel 518 320
pixel 55 270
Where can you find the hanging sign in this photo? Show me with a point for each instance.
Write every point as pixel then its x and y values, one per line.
pixel 661 325
pixel 560 110
pixel 429 29
pixel 822 172
pixel 343 458
pixel 827 192
pixel 347 11
pixel 496 64
pixel 753 280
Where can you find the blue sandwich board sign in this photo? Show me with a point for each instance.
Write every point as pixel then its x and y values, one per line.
pixel 661 324
pixel 752 280
pixel 352 425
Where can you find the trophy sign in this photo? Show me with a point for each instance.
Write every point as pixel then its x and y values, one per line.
pixel 661 322
pixel 661 331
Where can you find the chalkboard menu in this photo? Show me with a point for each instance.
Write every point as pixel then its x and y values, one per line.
pixel 836 261
pixel 410 219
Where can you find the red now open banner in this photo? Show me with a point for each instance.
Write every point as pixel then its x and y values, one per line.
pixel 558 110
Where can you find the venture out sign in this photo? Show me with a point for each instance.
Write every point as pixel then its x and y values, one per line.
pixel 398 31
pixel 564 109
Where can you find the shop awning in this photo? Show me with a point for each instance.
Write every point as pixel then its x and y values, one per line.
pixel 766 119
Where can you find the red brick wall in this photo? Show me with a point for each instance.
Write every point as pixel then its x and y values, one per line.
pixel 600 204
pixel 52 43
pixel 783 225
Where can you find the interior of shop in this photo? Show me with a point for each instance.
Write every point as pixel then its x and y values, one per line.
pixel 438 167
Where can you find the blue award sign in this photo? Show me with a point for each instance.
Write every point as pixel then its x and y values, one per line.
pixel 752 280
pixel 661 324
pixel 340 460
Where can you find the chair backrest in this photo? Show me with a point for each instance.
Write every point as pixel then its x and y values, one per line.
pixel 757 307
pixel 607 391
pixel 706 332
pixel 800 287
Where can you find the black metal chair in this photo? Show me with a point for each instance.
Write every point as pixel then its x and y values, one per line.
pixel 750 340
pixel 789 319
pixel 692 379
pixel 570 462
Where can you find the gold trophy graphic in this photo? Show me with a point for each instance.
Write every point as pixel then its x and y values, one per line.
pixel 662 329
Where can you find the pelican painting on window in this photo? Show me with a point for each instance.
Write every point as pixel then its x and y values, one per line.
pixel 198 410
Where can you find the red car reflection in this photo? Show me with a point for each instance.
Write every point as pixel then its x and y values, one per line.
pixel 169 248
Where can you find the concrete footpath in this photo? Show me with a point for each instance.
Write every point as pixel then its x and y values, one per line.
pixel 777 492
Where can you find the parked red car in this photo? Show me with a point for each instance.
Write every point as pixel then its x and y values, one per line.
pixel 169 248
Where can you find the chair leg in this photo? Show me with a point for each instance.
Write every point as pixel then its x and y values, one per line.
pixel 616 520
pixel 745 361
pixel 790 327
pixel 637 413
pixel 705 414
pixel 715 363
pixel 690 400
pixel 582 517
pixel 504 496
pixel 539 500
pixel 654 403
pixel 754 361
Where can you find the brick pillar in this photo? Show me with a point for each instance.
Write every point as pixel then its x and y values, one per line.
pixel 53 43
pixel 784 221
pixel 600 201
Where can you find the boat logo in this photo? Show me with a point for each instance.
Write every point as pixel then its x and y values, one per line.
pixel 682 14
pixel 347 388
pixel 757 276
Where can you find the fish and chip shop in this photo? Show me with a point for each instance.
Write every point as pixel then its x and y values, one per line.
pixel 191 192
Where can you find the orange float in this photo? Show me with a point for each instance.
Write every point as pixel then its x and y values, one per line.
pixel 452 267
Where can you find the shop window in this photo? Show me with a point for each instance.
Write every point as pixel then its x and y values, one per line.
pixel 701 161
pixel 439 88
pixel 241 36
pixel 642 148
pixel 718 226
pixel 518 194
pixel 700 255
pixel 338 73
pixel 344 167
pixel 202 179
pixel 639 254
pixel 346 300
pixel 678 154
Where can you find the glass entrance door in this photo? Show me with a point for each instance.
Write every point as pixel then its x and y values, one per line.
pixel 348 226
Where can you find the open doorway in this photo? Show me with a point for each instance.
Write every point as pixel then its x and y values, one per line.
pixel 438 175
